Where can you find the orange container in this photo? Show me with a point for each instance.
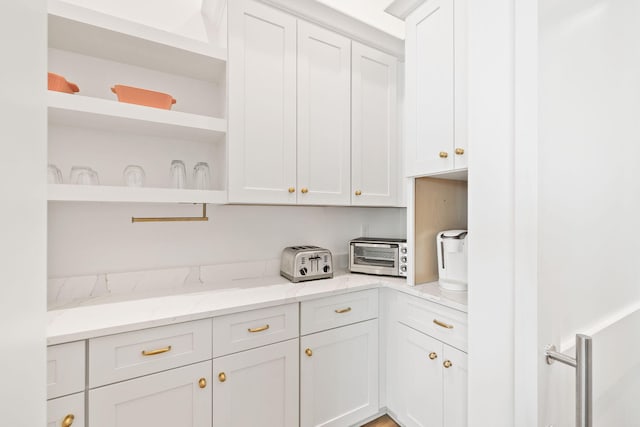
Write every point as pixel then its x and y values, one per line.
pixel 135 95
pixel 60 84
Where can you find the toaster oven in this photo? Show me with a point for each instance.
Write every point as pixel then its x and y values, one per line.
pixel 378 256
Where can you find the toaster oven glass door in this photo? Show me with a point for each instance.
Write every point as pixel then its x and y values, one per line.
pixel 375 258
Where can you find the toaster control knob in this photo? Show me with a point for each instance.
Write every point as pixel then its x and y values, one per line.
pixel 325 268
pixel 403 250
pixel 303 271
pixel 403 268
pixel 403 259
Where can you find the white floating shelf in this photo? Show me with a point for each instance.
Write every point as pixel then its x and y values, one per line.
pixel 103 193
pixel 89 32
pixel 96 113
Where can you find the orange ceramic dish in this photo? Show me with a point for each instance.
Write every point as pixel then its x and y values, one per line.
pixel 60 84
pixel 135 95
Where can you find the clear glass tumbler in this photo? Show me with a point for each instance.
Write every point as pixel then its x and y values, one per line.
pixel 201 176
pixel 83 175
pixel 54 176
pixel 133 176
pixel 178 174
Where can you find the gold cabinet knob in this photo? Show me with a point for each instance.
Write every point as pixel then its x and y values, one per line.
pixel 459 151
pixel 68 420
pixel 308 352
pixel 222 377
pixel 292 189
pixel 447 364
pixel 444 154
pixel 358 193
pixel 433 355
pixel 304 190
pixel 202 382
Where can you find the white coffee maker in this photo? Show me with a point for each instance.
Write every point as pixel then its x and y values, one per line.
pixel 452 259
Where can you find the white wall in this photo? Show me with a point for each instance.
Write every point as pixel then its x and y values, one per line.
pixel 22 216
pixel 99 238
pixel 589 198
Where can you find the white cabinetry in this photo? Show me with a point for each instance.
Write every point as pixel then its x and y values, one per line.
pixel 177 397
pixel 436 90
pixel 375 141
pixel 90 128
pixel 257 387
pixel 66 411
pixel 339 367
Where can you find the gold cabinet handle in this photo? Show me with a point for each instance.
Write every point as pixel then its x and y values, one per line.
pixel 444 154
pixel 292 189
pixel 68 420
pixel 343 310
pixel 459 151
pixel 433 355
pixel 308 352
pixel 304 190
pixel 358 193
pixel 222 377
pixel 157 351
pixel 447 364
pixel 202 382
pixel 442 324
pixel 259 329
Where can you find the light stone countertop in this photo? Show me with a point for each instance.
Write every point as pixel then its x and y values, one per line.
pixel 122 313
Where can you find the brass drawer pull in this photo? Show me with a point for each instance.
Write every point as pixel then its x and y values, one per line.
pixel 68 420
pixel 447 364
pixel 444 325
pixel 358 193
pixel 433 355
pixel 158 351
pixel 259 329
pixel 222 377
pixel 459 151
pixel 343 310
pixel 292 189
pixel 308 352
pixel 202 382
pixel 444 154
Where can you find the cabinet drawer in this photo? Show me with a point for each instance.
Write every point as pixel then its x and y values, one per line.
pixel 68 408
pixel 65 369
pixel 255 328
pixel 332 312
pixel 445 324
pixel 123 356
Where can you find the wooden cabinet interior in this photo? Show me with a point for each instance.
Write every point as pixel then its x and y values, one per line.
pixel 440 204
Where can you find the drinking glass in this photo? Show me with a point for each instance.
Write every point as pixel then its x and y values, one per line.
pixel 178 174
pixel 54 176
pixel 83 175
pixel 201 176
pixel 133 176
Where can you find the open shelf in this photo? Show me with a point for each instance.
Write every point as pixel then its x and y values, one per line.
pixel 77 29
pixel 104 193
pixel 83 111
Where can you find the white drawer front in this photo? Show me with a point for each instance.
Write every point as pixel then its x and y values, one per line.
pixel 255 328
pixel 65 369
pixel 123 356
pixel 332 312
pixel 65 409
pixel 443 323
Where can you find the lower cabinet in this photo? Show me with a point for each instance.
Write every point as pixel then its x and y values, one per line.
pixel 177 397
pixel 257 387
pixel 431 383
pixel 66 411
pixel 339 375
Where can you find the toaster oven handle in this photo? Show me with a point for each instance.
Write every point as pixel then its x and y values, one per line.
pixel 374 245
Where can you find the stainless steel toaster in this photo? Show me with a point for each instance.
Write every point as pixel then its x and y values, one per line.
pixel 302 263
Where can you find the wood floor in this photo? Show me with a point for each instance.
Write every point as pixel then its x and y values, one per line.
pixel 383 421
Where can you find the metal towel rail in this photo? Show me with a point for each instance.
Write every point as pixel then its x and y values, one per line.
pixel 584 384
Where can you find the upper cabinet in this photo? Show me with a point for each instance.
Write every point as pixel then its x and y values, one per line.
pixel 436 89
pixel 374 130
pixel 312 115
pixel 92 129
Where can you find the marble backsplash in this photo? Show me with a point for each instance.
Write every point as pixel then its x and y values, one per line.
pixel 64 291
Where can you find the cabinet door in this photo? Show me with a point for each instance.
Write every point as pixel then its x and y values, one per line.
pixel 324 118
pixel 374 138
pixel 430 88
pixel 178 397
pixel 455 388
pixel 262 104
pixel 339 375
pixel 257 387
pixel 419 383
pixel 66 409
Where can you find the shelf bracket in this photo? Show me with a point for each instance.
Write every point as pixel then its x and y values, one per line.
pixel 204 217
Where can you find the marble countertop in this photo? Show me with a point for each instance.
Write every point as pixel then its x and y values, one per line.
pixel 122 313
